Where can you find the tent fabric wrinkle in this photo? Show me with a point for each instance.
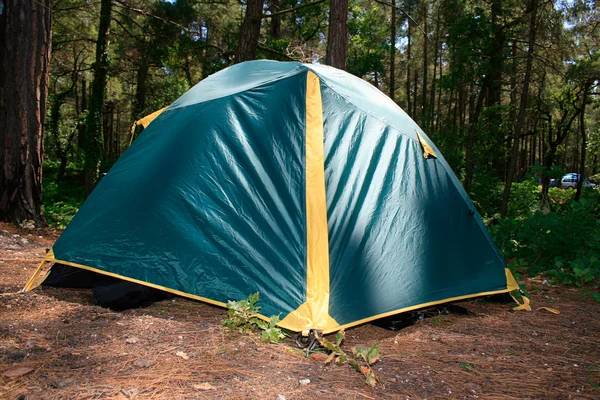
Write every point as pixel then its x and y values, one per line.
pixel 298 181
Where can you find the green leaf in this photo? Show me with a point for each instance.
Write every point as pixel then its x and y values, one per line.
pixel 373 354
pixel 467 366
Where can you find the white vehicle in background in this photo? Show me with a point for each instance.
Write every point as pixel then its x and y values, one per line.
pixel 570 181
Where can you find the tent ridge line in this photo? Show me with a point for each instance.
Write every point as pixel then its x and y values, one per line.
pixel 299 70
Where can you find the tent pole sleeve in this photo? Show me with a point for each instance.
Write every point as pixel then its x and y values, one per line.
pixel 317 285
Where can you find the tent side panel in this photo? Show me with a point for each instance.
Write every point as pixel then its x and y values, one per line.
pixel 400 232
pixel 208 201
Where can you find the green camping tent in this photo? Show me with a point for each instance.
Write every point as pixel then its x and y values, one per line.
pixel 300 182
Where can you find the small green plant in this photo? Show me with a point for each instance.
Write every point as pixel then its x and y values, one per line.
pixel 361 359
pixel 467 366
pixel 270 332
pixel 439 319
pixel 244 316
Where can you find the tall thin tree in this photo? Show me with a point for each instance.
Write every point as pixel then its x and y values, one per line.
pixel 25 43
pixel 520 123
pixel 393 51
pixel 337 38
pixel 92 141
pixel 250 31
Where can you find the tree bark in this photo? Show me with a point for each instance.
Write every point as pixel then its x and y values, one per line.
pixel 250 31
pixel 393 51
pixel 583 142
pixel 408 62
pixel 520 123
pixel 276 19
pixel 53 127
pixel 25 44
pixel 337 37
pixel 432 108
pixel 93 129
pixel 469 162
pixel 424 107
pixel 139 106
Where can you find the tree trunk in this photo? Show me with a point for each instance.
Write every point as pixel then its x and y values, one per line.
pixel 432 107
pixel 496 61
pixel 140 89
pixel 337 37
pixel 408 62
pixel 53 124
pixel 250 31
pixel 512 116
pixel 25 42
pixel 424 108
pixel 393 51
pixel 583 142
pixel 522 110
pixel 93 129
pixel 438 116
pixel 494 87
pixel 188 71
pixel 276 20
pixel 415 95
pixel 469 162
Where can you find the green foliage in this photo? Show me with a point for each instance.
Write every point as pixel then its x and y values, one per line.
pixel 270 332
pixel 578 272
pixel 560 199
pixel 62 195
pixel 369 43
pixel 563 245
pixel 361 358
pixel 244 316
pixel 439 319
pixel 467 366
pixel 524 198
pixel 486 193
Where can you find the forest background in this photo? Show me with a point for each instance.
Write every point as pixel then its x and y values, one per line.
pixel 508 90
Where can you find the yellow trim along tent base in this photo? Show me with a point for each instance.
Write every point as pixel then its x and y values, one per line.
pixel 300 182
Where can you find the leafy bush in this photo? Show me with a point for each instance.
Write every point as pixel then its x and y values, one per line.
pixel 564 245
pixel 486 194
pixel 524 198
pixel 62 196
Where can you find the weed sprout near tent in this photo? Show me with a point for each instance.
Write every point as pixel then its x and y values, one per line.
pixel 300 182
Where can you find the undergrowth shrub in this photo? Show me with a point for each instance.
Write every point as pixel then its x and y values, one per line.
pixel 563 245
pixel 486 194
pixel 62 196
pixel 524 198
pixel 244 315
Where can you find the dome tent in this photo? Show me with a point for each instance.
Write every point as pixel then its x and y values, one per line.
pixel 300 182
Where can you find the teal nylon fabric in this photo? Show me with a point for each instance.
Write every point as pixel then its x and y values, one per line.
pixel 400 231
pixel 209 200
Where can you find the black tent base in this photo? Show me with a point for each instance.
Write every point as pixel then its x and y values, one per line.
pixel 109 292
pixel 404 320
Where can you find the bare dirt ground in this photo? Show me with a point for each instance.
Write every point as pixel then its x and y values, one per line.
pixel 72 349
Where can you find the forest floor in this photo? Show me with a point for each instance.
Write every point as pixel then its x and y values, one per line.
pixel 56 344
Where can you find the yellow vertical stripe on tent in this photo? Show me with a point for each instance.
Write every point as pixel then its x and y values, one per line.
pixel 314 313
pixel 317 237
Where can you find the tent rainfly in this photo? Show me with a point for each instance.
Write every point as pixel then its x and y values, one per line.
pixel 300 182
